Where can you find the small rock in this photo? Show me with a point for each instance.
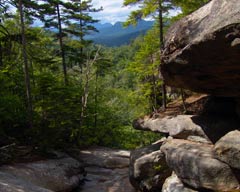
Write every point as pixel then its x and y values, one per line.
pixel 174 184
pixel 235 42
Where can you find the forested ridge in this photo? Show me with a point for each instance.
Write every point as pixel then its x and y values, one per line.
pixel 59 91
pixel 117 35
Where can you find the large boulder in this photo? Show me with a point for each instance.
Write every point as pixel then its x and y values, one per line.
pixel 196 165
pixel 148 169
pixel 180 126
pixel 227 149
pixel 62 174
pixel 202 50
pixel 209 127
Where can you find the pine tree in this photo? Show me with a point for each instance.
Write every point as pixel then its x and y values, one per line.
pixel 188 6
pixel 148 8
pixel 53 17
pixel 26 65
pixel 77 11
pixel 26 9
pixel 145 66
pixel 161 7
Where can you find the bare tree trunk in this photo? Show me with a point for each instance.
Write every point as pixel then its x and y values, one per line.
pixel 26 67
pixel 32 74
pixel 81 26
pixel 154 81
pixel 84 98
pixel 160 14
pixel 61 45
pixel 81 34
pixel 96 101
pixel 183 100
pixel 1 55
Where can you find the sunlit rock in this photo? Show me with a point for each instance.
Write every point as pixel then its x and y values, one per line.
pixel 180 126
pixel 196 165
pixel 227 149
pixel 102 157
pixel 174 184
pixel 62 174
pixel 12 183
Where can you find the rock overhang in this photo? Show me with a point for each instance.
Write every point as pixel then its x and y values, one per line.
pixel 202 51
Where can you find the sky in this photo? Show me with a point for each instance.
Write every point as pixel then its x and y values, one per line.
pixel 113 11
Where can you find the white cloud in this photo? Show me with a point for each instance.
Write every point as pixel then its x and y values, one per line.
pixel 113 10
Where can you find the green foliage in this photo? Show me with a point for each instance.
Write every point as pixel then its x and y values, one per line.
pixel 147 8
pixel 188 6
pixel 117 35
pixel 145 68
pixel 107 87
pixel 12 109
pixel 56 109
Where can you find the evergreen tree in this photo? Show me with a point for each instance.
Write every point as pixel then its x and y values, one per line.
pixel 188 6
pixel 78 11
pixel 53 17
pixel 150 8
pixel 79 23
pixel 26 65
pixel 25 9
pixel 99 102
pixel 159 8
pixel 145 67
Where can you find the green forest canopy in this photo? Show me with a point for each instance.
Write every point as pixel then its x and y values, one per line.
pixel 58 91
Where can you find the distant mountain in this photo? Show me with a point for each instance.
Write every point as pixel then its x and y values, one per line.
pixel 116 35
pixel 102 26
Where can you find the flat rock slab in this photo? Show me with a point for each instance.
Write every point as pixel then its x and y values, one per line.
pixel 107 169
pixel 227 149
pixel 196 165
pixel 103 157
pixel 202 50
pixel 209 127
pixel 180 126
pixel 44 176
pixel 106 180
pixel 11 183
